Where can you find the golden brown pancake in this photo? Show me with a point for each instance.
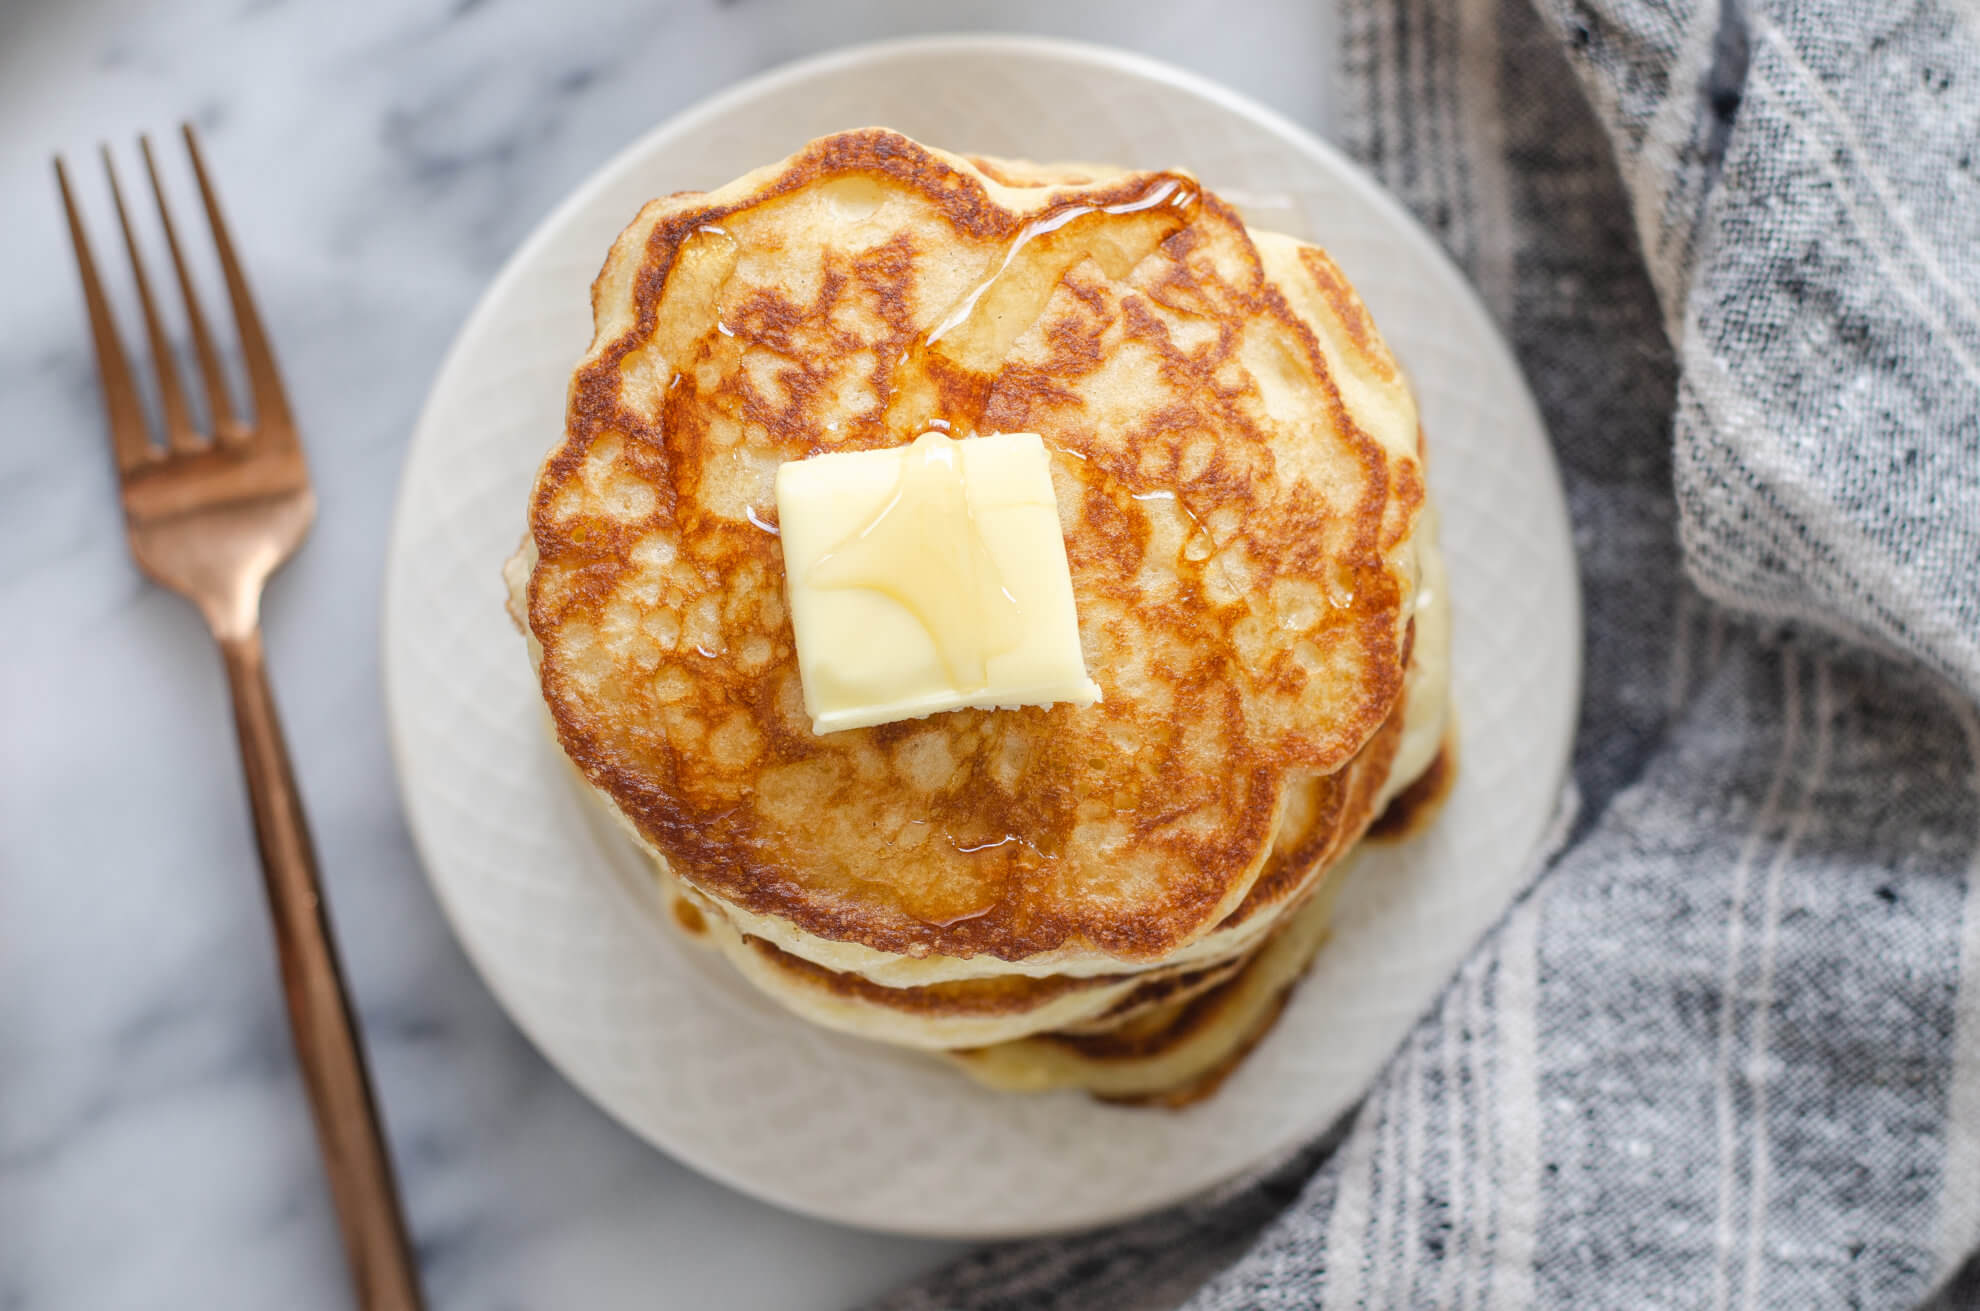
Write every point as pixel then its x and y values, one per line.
pixel 976 1011
pixel 938 1016
pixel 1180 1051
pixel 1235 463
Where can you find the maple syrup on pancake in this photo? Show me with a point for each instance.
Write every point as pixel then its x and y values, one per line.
pixel 970 343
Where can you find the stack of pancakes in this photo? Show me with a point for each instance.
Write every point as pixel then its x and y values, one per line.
pixel 1115 897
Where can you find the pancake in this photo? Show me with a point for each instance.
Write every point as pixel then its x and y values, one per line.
pixel 1179 1053
pixel 999 1008
pixel 1427 680
pixel 1322 816
pixel 934 1017
pixel 1234 457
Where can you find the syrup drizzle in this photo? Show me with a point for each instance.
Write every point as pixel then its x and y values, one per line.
pixel 1168 192
pixel 970 343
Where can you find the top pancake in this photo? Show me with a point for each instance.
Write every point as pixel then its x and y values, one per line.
pixel 1235 465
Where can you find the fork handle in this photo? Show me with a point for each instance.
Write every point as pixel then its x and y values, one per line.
pixel 327 1045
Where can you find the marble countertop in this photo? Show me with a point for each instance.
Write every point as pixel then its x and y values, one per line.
pixel 379 161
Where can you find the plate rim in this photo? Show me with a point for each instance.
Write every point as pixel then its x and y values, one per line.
pixel 1292 135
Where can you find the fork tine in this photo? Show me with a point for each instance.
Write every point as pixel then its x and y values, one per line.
pixel 179 433
pixel 219 402
pixel 125 412
pixel 271 404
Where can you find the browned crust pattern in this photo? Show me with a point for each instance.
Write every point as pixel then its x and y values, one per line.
pixel 1205 1085
pixel 1340 814
pixel 1185 785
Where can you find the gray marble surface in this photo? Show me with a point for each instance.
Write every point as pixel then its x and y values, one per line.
pixel 380 161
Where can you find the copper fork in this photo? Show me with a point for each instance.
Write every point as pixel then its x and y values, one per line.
pixel 211 515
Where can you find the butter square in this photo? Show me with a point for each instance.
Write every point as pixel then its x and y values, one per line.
pixel 929 577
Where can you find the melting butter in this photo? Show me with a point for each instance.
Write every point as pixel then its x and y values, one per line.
pixel 925 551
pixel 929 577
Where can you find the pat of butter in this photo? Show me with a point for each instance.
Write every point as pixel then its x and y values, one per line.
pixel 928 577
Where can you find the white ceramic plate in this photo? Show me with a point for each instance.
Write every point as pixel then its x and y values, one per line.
pixel 556 911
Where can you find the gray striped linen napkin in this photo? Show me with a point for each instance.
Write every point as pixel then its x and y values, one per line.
pixel 1726 1052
